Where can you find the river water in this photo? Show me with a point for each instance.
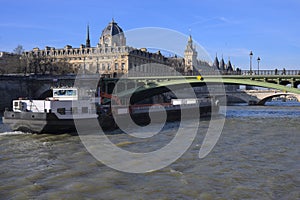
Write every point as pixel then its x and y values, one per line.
pixel 256 157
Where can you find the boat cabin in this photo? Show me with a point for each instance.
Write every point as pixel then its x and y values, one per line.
pixel 64 103
pixel 64 94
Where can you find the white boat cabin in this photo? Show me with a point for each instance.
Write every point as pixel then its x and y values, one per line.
pixel 64 103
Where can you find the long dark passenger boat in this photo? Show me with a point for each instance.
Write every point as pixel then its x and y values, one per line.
pixel 56 114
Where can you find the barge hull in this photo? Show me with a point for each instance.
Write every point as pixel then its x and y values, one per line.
pixel 38 122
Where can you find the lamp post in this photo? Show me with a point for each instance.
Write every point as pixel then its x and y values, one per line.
pixel 251 54
pixel 258 59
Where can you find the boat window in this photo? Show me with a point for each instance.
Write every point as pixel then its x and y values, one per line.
pixel 85 109
pixel 61 111
pixel 65 92
pixel 60 92
pixel 71 92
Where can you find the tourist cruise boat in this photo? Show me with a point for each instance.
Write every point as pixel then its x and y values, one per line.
pixel 58 114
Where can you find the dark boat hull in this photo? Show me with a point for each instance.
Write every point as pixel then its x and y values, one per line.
pixel 49 123
pixel 143 119
pixel 38 122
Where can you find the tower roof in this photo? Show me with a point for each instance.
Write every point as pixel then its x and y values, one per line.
pixel 216 63
pixel 222 64
pixel 189 46
pixel 112 35
pixel 229 66
pixel 88 42
pixel 112 29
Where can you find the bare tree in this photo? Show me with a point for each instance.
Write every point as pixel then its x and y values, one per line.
pixel 19 50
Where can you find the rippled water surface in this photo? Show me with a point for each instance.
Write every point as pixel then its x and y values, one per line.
pixel 256 157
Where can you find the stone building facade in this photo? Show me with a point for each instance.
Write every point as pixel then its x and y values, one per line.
pixel 112 57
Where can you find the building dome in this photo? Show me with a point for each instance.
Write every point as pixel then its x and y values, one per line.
pixel 112 29
pixel 112 35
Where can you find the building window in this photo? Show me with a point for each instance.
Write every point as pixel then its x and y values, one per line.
pixel 108 66
pixel 103 66
pixel 116 66
pixel 123 66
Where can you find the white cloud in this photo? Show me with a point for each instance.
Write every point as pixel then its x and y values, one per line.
pixel 214 21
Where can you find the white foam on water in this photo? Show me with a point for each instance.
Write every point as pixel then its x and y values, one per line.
pixel 13 133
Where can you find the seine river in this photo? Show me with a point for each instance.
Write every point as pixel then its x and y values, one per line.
pixel 256 157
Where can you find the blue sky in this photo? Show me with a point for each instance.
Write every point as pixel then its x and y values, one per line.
pixel 270 28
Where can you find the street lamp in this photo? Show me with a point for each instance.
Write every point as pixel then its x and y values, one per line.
pixel 258 59
pixel 251 54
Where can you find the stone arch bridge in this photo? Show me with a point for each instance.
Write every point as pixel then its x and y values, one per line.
pixel 37 86
pixel 146 87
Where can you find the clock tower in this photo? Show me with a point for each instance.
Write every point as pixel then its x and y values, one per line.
pixel 190 56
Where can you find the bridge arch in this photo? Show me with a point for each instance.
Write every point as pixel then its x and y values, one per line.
pixel 110 87
pixel 285 82
pixel 131 85
pixel 155 85
pixel 296 84
pixel 45 94
pixel 265 99
pixel 242 98
pixel 120 86
pixel 144 91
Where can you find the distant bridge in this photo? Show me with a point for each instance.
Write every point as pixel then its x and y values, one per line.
pixel 257 97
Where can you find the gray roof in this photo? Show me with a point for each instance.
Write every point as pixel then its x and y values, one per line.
pixel 112 29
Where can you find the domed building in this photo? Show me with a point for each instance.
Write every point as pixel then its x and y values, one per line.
pixel 112 35
pixel 112 57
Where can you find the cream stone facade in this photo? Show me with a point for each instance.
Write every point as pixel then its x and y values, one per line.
pixel 112 57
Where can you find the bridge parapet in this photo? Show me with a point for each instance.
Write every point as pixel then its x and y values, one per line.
pixel 271 72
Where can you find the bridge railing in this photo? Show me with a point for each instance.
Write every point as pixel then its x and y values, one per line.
pixel 271 72
pixel 223 73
